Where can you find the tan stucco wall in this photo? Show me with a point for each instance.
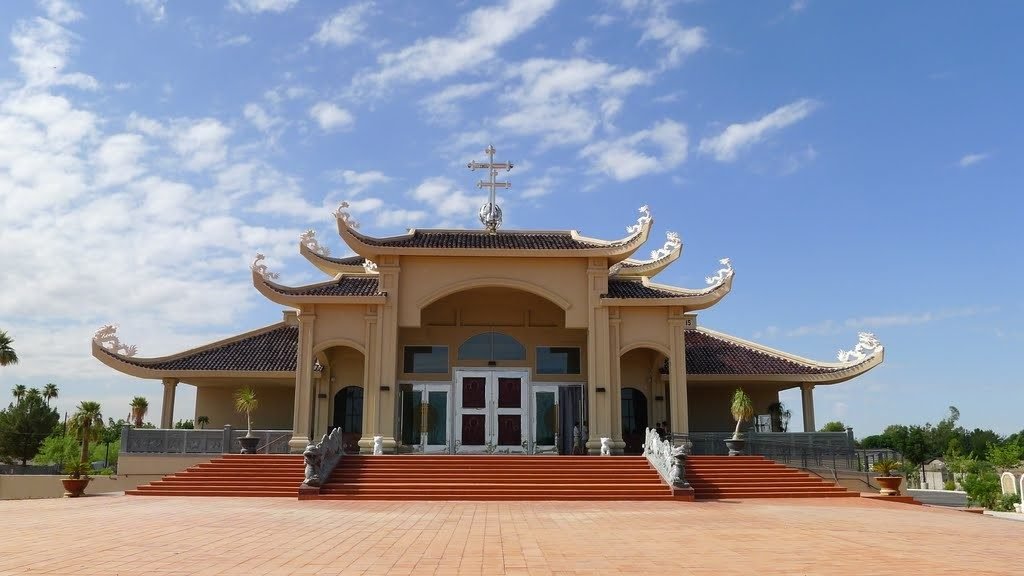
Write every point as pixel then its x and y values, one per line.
pixel 423 278
pixel 339 323
pixel 709 406
pixel 16 487
pixel 644 327
pixel 274 412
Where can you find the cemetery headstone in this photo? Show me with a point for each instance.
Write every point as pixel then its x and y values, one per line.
pixel 1006 482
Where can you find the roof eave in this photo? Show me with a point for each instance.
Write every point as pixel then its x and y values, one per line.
pixel 650 268
pixel 263 286
pixel 123 366
pixel 327 266
pixel 699 301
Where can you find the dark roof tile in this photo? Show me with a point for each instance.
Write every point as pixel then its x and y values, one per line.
pixel 270 351
pixel 635 289
pixel 346 286
pixel 483 240
pixel 707 354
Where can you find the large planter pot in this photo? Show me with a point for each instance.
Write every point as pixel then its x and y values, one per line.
pixel 890 485
pixel 736 445
pixel 249 444
pixel 74 487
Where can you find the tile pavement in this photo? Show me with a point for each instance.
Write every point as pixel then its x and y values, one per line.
pixel 114 534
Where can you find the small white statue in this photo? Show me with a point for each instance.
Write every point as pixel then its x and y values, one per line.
pixel 606 446
pixel 378 445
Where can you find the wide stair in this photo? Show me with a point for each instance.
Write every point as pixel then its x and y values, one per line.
pixel 232 475
pixel 721 477
pixel 512 477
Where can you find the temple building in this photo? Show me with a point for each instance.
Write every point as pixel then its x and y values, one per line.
pixel 487 341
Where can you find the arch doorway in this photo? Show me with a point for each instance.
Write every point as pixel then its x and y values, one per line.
pixel 348 414
pixel 634 420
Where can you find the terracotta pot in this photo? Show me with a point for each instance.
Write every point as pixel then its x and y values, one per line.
pixel 74 487
pixel 890 485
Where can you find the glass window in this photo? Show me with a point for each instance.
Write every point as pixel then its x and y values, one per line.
pixel 492 346
pixel 558 360
pixel 425 360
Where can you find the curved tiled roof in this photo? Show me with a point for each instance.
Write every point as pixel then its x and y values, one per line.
pixel 484 240
pixel 345 286
pixel 636 289
pixel 712 355
pixel 346 261
pixel 270 351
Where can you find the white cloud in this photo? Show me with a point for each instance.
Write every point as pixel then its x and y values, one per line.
pixel 41 49
pixel 737 137
pixel 396 217
pixel 446 200
pixel 60 11
pixel 798 160
pixel 259 6
pixel 972 159
pixel 239 40
pixel 154 9
pixel 258 116
pixel 118 159
pixel 677 40
pixel 441 106
pixel 889 320
pixel 625 158
pixel 481 33
pixel 345 26
pixel 798 5
pixel 357 182
pixel 331 117
pixel 200 144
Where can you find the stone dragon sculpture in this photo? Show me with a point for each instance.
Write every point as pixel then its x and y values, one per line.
pixel 260 268
pixel 106 338
pixel 645 217
pixel 722 275
pixel 867 345
pixel 308 239
pixel 345 216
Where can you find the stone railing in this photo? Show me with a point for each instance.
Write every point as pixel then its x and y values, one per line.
pixel 183 441
pixel 321 458
pixel 834 450
pixel 668 460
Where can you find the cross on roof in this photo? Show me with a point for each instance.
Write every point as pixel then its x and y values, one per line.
pixel 490 213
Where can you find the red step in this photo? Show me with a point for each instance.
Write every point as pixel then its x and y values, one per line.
pixel 721 477
pixel 233 475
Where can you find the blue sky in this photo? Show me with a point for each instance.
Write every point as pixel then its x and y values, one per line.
pixel 860 164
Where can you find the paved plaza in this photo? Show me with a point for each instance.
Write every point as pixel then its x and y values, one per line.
pixel 115 534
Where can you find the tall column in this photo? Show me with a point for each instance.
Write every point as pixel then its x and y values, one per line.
pixel 388 268
pixel 677 374
pixel 615 379
pixel 807 396
pixel 599 403
pixel 371 378
pixel 303 412
pixel 167 408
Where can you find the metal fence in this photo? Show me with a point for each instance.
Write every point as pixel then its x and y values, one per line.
pixel 834 450
pixel 183 441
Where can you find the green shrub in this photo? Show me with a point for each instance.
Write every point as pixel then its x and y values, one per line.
pixel 1006 501
pixel 982 489
pixel 949 485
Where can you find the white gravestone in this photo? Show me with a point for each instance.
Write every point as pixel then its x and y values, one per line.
pixel 1007 483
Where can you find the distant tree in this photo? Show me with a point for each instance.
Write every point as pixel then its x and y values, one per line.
pixel 202 421
pixel 7 354
pixel 87 422
pixel 779 416
pixel 19 392
pixel 979 440
pixel 24 426
pixel 184 425
pixel 834 426
pixel 50 392
pixel 1004 456
pixel 140 407
pixel 875 441
pixel 34 393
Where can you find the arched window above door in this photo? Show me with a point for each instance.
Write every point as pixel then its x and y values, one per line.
pixel 492 346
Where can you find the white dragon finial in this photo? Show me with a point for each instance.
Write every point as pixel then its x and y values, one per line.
pixel 369 266
pixel 645 217
pixel 107 338
pixel 671 242
pixel 344 216
pixel 867 345
pixel 261 269
pixel 722 275
pixel 308 239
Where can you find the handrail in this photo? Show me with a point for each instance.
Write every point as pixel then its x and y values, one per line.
pixel 271 442
pixel 668 459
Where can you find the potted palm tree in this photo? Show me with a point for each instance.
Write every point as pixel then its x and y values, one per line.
pixel 202 421
pixel 742 409
pixel 888 480
pixel 140 406
pixel 88 422
pixel 246 402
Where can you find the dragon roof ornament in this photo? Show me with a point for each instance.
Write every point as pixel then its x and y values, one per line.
pixel 867 345
pixel 722 275
pixel 106 338
pixel 672 242
pixel 308 239
pixel 369 266
pixel 345 216
pixel 644 218
pixel 260 268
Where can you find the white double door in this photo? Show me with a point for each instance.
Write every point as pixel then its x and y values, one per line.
pixel 493 411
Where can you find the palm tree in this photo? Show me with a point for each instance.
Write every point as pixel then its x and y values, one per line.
pixel 88 422
pixel 245 401
pixel 50 392
pixel 742 409
pixel 7 353
pixel 19 392
pixel 140 406
pixel 33 393
pixel 202 421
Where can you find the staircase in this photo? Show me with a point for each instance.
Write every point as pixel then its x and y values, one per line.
pixel 720 477
pixel 232 475
pixel 513 477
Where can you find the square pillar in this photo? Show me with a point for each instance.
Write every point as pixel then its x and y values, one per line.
pixel 167 408
pixel 302 414
pixel 807 398
pixel 615 380
pixel 680 411
pixel 371 379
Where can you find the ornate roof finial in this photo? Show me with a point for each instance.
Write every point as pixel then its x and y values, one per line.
pixel 867 345
pixel 490 213
pixel 723 273
pixel 671 242
pixel 344 216
pixel 107 339
pixel 645 217
pixel 369 266
pixel 261 269
pixel 308 239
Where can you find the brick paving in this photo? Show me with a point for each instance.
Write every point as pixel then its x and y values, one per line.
pixel 115 534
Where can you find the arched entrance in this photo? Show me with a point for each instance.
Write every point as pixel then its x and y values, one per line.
pixel 634 420
pixel 348 415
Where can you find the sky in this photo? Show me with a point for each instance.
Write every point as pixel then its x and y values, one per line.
pixel 859 163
